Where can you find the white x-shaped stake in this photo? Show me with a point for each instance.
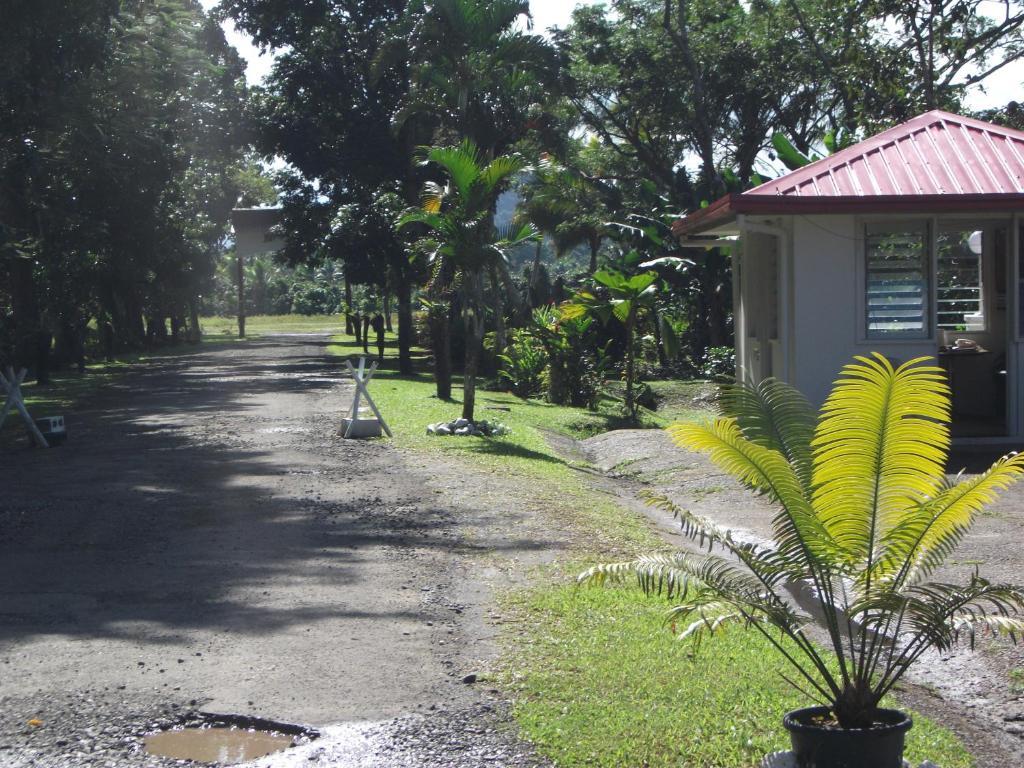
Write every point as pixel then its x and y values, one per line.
pixel 12 386
pixel 362 378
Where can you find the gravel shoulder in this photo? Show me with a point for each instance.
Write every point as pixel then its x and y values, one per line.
pixel 204 541
pixel 976 694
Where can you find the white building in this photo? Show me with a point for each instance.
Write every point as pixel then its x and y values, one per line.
pixel 903 244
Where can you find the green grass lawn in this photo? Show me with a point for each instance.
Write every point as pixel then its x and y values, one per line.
pixel 598 679
pixel 258 325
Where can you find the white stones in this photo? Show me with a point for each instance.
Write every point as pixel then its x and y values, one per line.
pixel 466 428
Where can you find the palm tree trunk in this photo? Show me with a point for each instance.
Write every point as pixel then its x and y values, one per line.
pixel 472 314
pixel 240 266
pixel 630 364
pixel 387 312
pixel 29 350
pixel 659 341
pixel 441 343
pixel 595 245
pixel 195 332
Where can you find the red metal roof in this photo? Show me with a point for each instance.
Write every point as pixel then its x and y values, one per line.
pixel 937 162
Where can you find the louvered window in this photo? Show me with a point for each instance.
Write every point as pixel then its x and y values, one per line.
pixel 958 296
pixel 897 283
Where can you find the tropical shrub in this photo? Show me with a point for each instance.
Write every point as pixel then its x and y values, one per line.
pixel 459 217
pixel 523 364
pixel 626 298
pixel 718 363
pixel 866 515
pixel 577 367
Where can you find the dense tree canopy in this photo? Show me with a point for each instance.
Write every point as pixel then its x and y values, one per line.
pixel 118 168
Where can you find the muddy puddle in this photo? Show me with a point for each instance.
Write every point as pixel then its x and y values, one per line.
pixel 224 745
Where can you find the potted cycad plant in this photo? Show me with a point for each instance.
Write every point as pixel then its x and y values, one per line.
pixel 865 516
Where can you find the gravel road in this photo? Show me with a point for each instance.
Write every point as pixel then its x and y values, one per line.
pixel 204 541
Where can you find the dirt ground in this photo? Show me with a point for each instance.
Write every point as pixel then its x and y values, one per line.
pixel 980 695
pixel 204 541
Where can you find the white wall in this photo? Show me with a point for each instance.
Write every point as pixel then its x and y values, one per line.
pixel 828 288
pixel 251 240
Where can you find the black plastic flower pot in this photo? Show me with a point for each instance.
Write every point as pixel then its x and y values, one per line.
pixel 816 745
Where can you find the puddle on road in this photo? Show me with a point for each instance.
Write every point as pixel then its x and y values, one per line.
pixel 226 746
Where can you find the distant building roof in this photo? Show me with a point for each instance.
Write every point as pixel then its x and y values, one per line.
pixel 937 162
pixel 266 216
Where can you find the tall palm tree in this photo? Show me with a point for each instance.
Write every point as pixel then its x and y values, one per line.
pixel 560 202
pixel 473 71
pixel 459 215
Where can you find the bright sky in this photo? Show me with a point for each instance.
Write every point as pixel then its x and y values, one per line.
pixel 1005 85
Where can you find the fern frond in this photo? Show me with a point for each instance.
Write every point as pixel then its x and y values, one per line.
pixel 879 449
pixel 938 614
pixel 767 564
pixel 676 575
pixel 711 619
pixel 994 625
pixel 695 527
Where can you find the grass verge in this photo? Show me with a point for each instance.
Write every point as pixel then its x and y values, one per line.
pixel 599 680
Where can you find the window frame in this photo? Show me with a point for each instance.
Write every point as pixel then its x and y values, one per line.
pixel 928 228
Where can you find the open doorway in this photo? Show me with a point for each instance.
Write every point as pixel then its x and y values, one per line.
pixel 972 323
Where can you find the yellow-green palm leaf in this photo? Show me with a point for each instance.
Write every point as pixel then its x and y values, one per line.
pixel 865 514
pixel 798 532
pixel 879 449
pixel 929 533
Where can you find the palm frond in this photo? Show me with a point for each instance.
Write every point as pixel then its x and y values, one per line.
pixel 879 449
pixel 929 533
pixel 775 415
pixel 432 220
pixel 798 532
pixel 938 615
pixel 994 624
pixel 711 618
pixel 499 170
pixel 461 163
pixel 432 197
pixel 675 574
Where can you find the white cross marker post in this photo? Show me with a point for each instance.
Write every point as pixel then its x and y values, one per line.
pixel 11 385
pixel 362 378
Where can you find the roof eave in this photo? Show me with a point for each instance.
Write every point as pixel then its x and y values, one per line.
pixel 704 219
pixel 727 208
